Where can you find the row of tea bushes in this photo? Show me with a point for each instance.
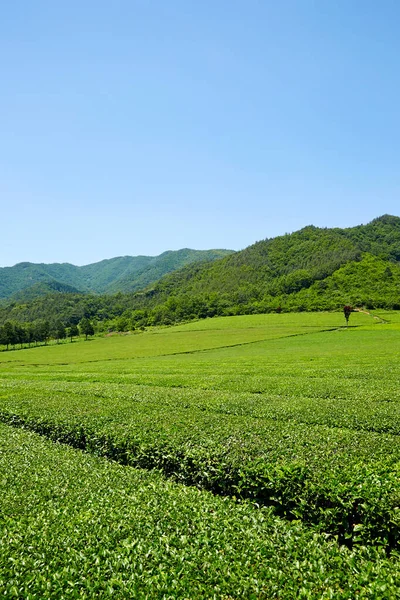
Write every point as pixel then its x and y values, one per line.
pixel 342 482
pixel 77 526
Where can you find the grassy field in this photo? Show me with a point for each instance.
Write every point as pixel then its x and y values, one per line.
pixel 293 415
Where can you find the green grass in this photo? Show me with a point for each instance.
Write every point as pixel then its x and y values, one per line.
pixel 75 526
pixel 292 411
pixel 192 337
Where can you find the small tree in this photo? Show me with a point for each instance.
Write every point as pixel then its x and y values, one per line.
pixel 42 331
pixel 73 331
pixel 8 334
pixel 30 333
pixel 347 310
pixel 20 334
pixel 86 327
pixel 59 331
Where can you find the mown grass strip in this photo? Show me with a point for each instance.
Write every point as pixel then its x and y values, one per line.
pixel 75 526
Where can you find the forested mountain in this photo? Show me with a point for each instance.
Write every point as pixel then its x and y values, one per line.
pixel 164 263
pixel 311 269
pixel 122 274
pixel 270 273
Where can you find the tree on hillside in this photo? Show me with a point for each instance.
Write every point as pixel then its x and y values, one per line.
pixel 86 327
pixel 30 333
pixel 42 331
pixel 58 331
pixel 11 334
pixel 7 334
pixel 347 310
pixel 19 334
pixel 73 331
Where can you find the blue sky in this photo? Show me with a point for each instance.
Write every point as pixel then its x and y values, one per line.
pixel 134 127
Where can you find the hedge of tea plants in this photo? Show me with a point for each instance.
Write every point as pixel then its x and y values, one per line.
pixel 343 481
pixel 76 526
pixel 306 424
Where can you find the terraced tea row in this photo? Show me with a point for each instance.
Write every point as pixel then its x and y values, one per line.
pixel 341 480
pixel 74 526
pixel 298 422
pixel 334 401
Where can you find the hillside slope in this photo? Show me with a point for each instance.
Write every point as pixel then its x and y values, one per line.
pixel 311 269
pixel 290 272
pixel 160 265
pixel 121 274
pixel 314 252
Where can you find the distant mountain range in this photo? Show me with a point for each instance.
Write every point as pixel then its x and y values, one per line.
pixel 310 269
pixel 27 280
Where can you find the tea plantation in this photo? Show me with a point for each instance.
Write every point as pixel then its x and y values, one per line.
pixel 265 452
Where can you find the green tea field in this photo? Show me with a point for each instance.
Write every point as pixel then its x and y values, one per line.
pixel 236 457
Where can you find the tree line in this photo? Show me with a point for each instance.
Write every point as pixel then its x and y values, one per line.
pixel 42 331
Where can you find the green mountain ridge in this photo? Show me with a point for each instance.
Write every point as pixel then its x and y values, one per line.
pixel 308 270
pixel 289 272
pixel 121 274
pixel 44 288
pixel 317 251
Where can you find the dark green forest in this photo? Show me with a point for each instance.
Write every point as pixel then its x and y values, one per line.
pixel 310 270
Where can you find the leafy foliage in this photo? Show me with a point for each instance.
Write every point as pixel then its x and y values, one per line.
pixel 86 327
pixel 74 526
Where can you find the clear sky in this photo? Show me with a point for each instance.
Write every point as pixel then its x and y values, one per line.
pixel 133 127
